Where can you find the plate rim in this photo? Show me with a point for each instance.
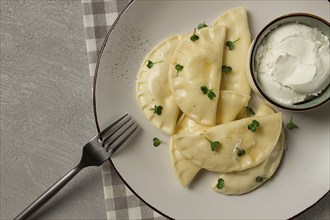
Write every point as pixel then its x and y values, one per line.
pixel 99 56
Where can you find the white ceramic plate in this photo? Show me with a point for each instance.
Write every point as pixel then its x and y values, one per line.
pixel 303 177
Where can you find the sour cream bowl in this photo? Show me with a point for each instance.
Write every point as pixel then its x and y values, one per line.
pixel 288 63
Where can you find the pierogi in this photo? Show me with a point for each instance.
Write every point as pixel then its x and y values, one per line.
pixel 200 60
pixel 202 75
pixel 236 183
pixel 153 87
pixel 230 103
pixel 184 170
pixel 238 40
pixel 195 146
pixel 237 29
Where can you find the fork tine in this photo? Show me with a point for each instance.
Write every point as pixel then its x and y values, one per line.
pixel 111 126
pixel 115 135
pixel 117 146
pixel 109 135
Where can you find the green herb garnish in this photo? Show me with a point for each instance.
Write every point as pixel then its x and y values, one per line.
pixel 231 44
pixel 151 64
pixel 157 109
pixel 209 92
pixel 204 89
pixel 253 126
pixel 259 179
pixel 214 144
pixel 178 67
pixel 220 184
pixel 226 69
pixel 156 141
pixel 194 37
pixel 291 125
pixel 201 25
pixel 240 152
pixel 249 111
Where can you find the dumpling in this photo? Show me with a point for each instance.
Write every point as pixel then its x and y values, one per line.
pixel 234 56
pixel 196 64
pixel 231 136
pixel 236 183
pixel 185 171
pixel 153 90
pixel 187 125
pixel 237 29
pixel 230 103
pixel 264 109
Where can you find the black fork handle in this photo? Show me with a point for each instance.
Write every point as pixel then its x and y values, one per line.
pixel 48 194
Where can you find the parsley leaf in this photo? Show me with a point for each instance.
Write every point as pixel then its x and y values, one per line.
pixel 157 109
pixel 226 69
pixel 231 44
pixel 156 141
pixel 253 126
pixel 178 67
pixel 209 92
pixel 202 25
pixel 240 152
pixel 151 64
pixel 194 37
pixel 204 89
pixel 259 179
pixel 214 144
pixel 291 125
pixel 220 184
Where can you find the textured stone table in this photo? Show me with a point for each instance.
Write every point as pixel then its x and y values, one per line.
pixel 46 111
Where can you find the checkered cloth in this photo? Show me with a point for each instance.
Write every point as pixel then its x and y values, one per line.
pixel 120 202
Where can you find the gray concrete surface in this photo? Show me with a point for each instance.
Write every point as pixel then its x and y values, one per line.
pixel 46 111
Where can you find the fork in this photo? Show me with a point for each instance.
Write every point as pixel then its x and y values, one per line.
pixel 98 150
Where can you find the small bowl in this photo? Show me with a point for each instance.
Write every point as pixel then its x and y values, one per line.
pixel 301 18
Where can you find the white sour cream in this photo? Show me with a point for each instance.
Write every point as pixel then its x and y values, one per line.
pixel 292 63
